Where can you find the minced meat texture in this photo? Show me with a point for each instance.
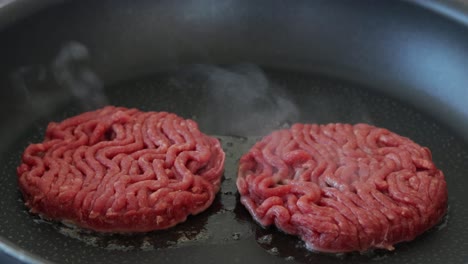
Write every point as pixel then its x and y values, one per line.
pixel 121 170
pixel 342 187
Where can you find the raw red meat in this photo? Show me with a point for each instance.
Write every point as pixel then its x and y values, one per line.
pixel 121 170
pixel 342 187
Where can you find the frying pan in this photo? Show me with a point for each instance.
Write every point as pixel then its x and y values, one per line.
pixel 240 69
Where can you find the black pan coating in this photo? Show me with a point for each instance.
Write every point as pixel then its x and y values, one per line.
pixel 226 232
pixel 396 65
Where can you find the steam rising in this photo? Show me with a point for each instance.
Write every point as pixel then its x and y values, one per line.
pixel 35 92
pixel 238 100
pixel 243 101
pixel 71 71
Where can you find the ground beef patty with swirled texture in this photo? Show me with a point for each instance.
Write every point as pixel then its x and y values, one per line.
pixel 121 170
pixel 342 187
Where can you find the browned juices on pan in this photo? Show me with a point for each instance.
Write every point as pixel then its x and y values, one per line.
pixel 121 170
pixel 342 187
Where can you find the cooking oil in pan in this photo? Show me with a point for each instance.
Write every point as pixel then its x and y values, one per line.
pixel 227 223
pixel 219 224
pixel 290 247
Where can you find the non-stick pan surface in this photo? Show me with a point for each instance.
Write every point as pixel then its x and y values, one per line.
pixel 226 232
pixel 235 101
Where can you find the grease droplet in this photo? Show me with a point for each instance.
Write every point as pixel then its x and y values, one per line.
pixel 273 251
pixel 236 236
pixel 266 239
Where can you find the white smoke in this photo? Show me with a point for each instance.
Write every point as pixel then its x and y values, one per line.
pixel 243 101
pixel 71 71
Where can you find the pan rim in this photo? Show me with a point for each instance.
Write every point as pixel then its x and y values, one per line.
pixel 14 10
pixel 454 10
pixel 16 252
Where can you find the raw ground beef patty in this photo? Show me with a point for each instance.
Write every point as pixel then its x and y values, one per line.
pixel 121 170
pixel 342 187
